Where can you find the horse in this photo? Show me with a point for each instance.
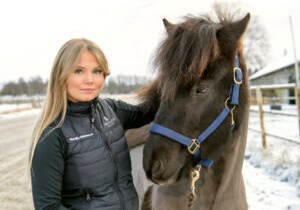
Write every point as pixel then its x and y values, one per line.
pixel 195 146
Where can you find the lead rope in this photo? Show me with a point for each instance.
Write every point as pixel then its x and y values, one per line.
pixel 195 176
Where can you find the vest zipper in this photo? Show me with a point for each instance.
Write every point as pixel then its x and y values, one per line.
pixel 116 184
pixel 93 111
pixel 88 199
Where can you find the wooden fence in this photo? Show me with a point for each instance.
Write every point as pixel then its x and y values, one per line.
pixel 270 94
pixel 20 103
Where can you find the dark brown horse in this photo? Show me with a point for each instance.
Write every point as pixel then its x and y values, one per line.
pixel 201 89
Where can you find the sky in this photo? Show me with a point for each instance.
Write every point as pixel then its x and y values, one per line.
pixel 128 32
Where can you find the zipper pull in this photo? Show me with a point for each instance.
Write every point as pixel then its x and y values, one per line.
pixel 93 112
pixel 93 108
pixel 88 197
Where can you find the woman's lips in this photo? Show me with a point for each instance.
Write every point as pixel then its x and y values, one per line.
pixel 87 90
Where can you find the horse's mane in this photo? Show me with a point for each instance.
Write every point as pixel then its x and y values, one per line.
pixel 184 54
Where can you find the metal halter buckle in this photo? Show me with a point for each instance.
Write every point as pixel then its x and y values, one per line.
pixel 234 76
pixel 193 147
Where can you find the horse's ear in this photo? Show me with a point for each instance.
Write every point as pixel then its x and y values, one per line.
pixel 169 26
pixel 230 35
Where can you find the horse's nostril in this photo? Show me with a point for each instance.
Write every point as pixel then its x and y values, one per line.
pixel 157 169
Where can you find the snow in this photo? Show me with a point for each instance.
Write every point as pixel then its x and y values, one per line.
pixel 14 106
pixel 280 125
pixel 265 193
pixel 17 110
pixel 19 114
pixel 272 175
pixel 11 107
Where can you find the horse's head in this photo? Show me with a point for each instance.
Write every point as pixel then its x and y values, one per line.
pixel 195 72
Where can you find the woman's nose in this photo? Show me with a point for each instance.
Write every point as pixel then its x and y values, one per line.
pixel 88 78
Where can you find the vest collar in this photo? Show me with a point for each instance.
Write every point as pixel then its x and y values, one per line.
pixel 80 107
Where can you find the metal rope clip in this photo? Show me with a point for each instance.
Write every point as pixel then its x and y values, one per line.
pixel 195 177
pixel 231 107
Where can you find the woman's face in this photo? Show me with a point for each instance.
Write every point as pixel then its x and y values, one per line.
pixel 86 80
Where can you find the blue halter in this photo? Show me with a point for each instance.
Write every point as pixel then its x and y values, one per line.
pixel 193 145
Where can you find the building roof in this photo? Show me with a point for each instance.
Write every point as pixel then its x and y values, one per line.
pixel 274 66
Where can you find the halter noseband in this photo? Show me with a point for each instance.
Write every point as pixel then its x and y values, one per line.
pixel 193 145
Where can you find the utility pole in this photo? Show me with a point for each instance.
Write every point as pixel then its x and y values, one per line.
pixel 297 89
pixel 295 53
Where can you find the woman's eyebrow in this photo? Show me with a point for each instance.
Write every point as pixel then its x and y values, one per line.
pixel 80 67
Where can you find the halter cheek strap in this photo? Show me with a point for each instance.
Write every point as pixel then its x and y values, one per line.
pixel 193 145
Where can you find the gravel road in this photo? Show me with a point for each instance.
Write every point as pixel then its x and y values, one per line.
pixel 15 192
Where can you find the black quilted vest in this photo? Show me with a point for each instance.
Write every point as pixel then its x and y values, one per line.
pixel 97 161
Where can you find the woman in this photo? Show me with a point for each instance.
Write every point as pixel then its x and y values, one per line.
pixel 79 156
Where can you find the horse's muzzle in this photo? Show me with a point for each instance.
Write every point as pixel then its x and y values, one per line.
pixel 155 171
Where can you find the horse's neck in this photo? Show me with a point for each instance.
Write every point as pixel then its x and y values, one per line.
pixel 222 186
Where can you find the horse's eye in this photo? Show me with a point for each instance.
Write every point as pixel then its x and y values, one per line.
pixel 200 89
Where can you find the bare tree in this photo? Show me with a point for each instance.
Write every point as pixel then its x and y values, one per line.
pixel 35 86
pixel 22 86
pixel 256 46
pixel 124 83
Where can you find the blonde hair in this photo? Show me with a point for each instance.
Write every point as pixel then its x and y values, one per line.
pixel 56 96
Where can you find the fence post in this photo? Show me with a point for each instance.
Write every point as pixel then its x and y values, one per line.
pixel 297 96
pixel 259 99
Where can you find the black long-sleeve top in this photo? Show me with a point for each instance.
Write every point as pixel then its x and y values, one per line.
pixel 90 137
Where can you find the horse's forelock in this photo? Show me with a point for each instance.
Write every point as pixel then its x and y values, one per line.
pixel 184 55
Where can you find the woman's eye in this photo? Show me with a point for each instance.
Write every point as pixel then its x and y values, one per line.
pixel 200 89
pixel 98 71
pixel 78 71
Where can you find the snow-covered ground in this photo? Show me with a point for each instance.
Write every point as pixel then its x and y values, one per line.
pixel 16 104
pixel 264 192
pixel 279 125
pixel 272 175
